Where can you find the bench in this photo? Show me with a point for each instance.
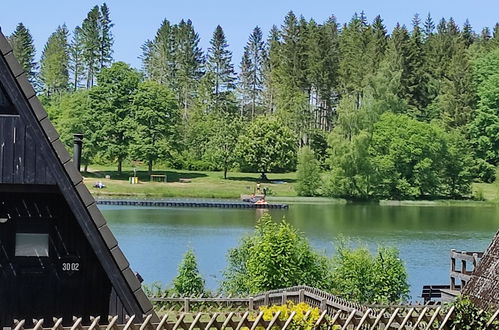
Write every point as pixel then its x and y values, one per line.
pixel 158 178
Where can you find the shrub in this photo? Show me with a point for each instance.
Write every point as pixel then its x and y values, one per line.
pixel 275 256
pixel 362 277
pixel 308 173
pixel 189 281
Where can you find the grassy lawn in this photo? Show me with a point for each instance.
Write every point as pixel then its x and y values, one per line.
pixel 203 184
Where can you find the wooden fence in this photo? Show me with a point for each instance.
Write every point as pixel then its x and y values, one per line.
pixel 297 294
pixel 467 262
pixel 400 318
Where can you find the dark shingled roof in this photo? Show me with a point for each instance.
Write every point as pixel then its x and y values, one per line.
pixel 71 185
pixel 483 287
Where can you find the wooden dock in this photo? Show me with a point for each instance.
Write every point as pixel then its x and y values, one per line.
pixel 189 203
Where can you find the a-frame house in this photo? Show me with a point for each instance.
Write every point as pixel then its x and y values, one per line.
pixel 483 287
pixel 58 257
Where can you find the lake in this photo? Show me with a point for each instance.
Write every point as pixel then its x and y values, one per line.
pixel 155 239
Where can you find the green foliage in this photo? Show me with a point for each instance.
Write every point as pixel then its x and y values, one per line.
pixel 54 63
pixel 111 104
pixel 401 158
pixel 308 173
pixel 24 50
pixel 223 142
pixel 468 316
pixel 71 113
pixel 274 256
pixel 362 277
pixel 484 128
pixel 155 117
pixel 189 282
pixel 267 146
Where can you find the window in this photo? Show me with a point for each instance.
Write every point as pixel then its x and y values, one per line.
pixel 32 245
pixel 6 106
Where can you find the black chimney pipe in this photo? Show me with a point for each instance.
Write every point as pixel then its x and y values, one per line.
pixel 78 144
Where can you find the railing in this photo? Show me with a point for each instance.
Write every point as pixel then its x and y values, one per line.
pixel 400 318
pixel 468 263
pixel 312 296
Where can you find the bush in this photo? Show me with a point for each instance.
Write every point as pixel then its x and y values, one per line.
pixel 308 173
pixel 189 281
pixel 362 277
pixel 274 256
pixel 299 320
pixel 468 316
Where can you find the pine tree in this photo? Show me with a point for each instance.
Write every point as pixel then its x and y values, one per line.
pixel 244 84
pixel 91 44
pixel 220 64
pixel 189 61
pixel 161 58
pixel 353 64
pixel 415 79
pixel 429 27
pixel 252 70
pixel 457 99
pixel 322 70
pixel 105 37
pixel 468 35
pixel 54 63
pixel 24 50
pixel 270 64
pixel 377 43
pixel 76 64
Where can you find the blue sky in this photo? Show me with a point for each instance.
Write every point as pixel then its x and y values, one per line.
pixel 136 21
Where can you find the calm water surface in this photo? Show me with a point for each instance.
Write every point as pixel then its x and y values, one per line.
pixel 154 239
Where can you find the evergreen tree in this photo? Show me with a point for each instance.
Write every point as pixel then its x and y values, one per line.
pixel 429 27
pixel 458 95
pixel 220 64
pixel 354 65
pixel 189 64
pixel 76 64
pixel 91 44
pixel 161 58
pixel 270 65
pixel 289 77
pixel 244 84
pixel 189 282
pixel 54 63
pixel 24 50
pixel 415 79
pixel 106 39
pixel 377 43
pixel 251 76
pixel 468 35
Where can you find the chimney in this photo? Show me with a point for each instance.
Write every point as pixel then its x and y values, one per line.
pixel 78 143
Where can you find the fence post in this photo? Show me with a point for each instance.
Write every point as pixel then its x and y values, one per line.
pixel 301 296
pixel 251 304
pixel 452 270
pixel 186 305
pixel 266 299
pixel 284 297
pixel 323 305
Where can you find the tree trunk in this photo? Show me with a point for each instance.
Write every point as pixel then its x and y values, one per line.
pixel 120 166
pixel 85 169
pixel 263 177
pixel 149 166
pixel 225 172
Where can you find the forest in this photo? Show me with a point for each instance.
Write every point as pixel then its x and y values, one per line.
pixel 359 111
